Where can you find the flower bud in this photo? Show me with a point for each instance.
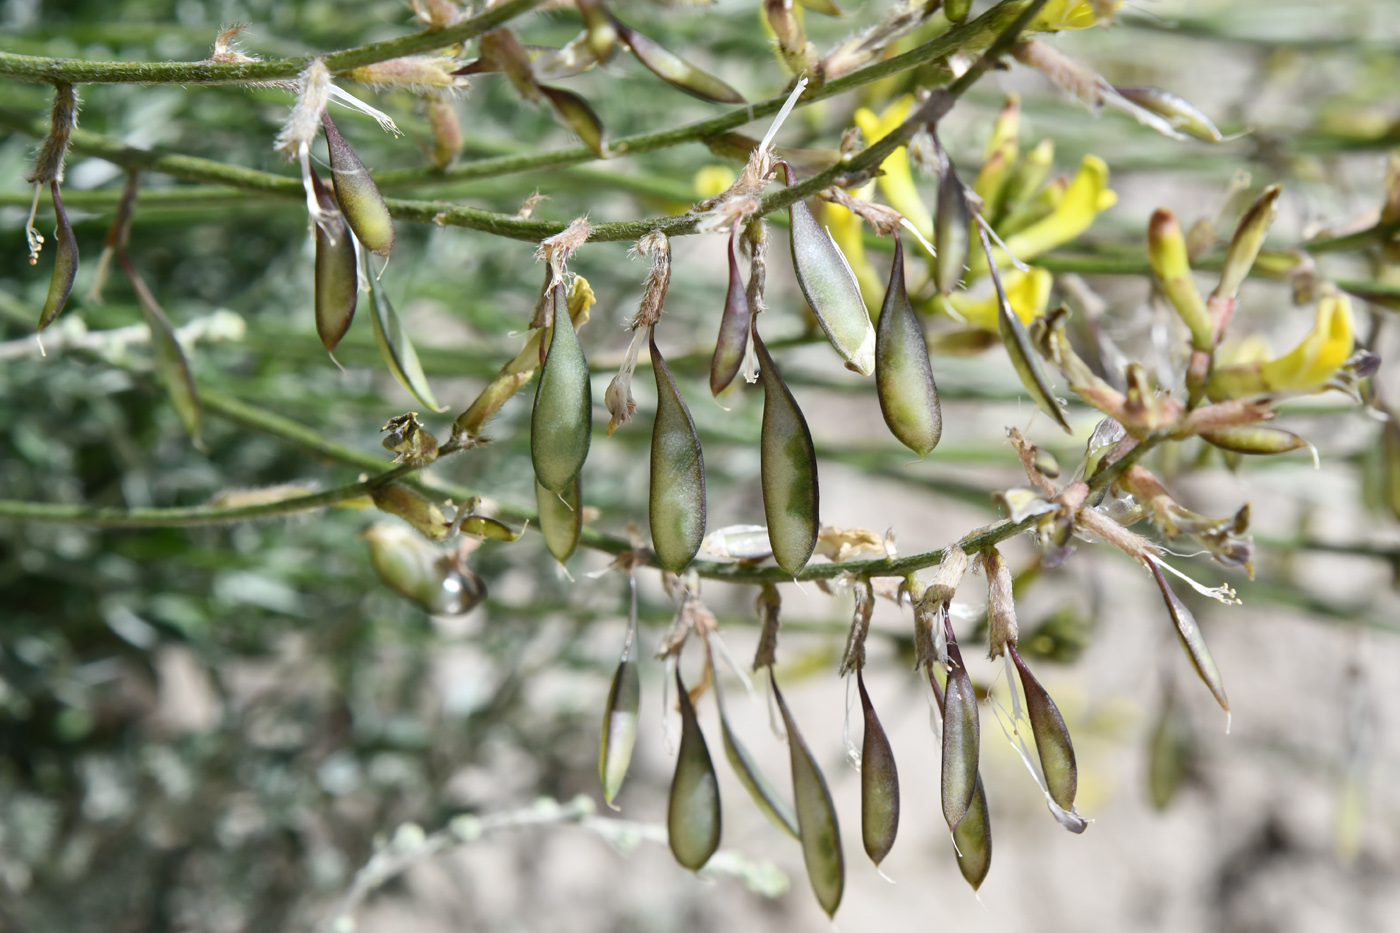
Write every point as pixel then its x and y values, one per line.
pixel 1166 250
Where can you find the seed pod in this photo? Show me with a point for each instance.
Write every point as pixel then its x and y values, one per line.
pixel 831 289
pixel 1179 112
pixel 1168 754
pixel 65 262
pixel 961 739
pixel 1166 249
pixel 1247 241
pixel 479 526
pixel 788 462
pixel 561 519
pixel 171 366
pixel 359 197
pixel 973 839
pixel 675 70
pixel 1052 740
pixel 693 818
pixel 677 500
pixel 903 376
pixel 579 117
pixel 447 130
pixel 816 818
pixel 620 716
pixel 772 804
pixel 1192 639
pixel 1027 364
pixel 951 231
pixel 879 784
pixel 423 514
pixel 956 10
pixel 1254 439
pixel 395 346
pixel 416 570
pixel 561 424
pixel 733 336
pixel 337 284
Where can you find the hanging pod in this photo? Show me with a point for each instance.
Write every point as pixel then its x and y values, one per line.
pixel 961 739
pixel 395 346
pixel 879 783
pixel 1052 741
pixel 951 231
pixel 620 717
pixel 693 818
pixel 561 425
pixel 561 519
pixel 358 195
pixel 734 326
pixel 772 804
pixel 903 375
pixel 673 69
pixel 65 262
pixel 579 117
pixel 416 570
pixel 831 289
pixel 337 283
pixel 677 500
pixel 1192 639
pixel 788 462
pixel 973 839
pixel 816 817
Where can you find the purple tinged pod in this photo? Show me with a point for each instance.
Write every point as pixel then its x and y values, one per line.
pixel 879 783
pixel 973 839
pixel 693 817
pixel 579 117
pixel 337 282
pixel 733 339
pixel 903 375
pixel 961 739
pixel 677 497
pixel 358 195
pixel 65 263
pixel 1192 639
pixel 788 464
pixel 816 817
pixel 951 231
pixel 673 69
pixel 1052 740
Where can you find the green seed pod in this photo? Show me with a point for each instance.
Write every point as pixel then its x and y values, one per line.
pixel 423 514
pixel 1045 463
pixel 677 500
pixel 1052 740
pixel 903 376
pixel 1247 241
pixel 1254 439
pixel 395 346
pixel 951 231
pixel 693 818
pixel 1177 111
pixel 771 803
pixel 171 366
pixel 879 784
pixel 956 10
pixel 961 739
pixel 733 336
pixel 788 462
pixel 620 717
pixel 675 70
pixel 359 197
pixel 337 285
pixel 973 839
pixel 831 289
pixel 416 570
pixel 561 519
pixel 1166 250
pixel 579 117
pixel 561 425
pixel 65 262
pixel 816 818
pixel 1168 754
pixel 479 526
pixel 1192 639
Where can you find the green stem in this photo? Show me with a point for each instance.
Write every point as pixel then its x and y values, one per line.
pixel 73 71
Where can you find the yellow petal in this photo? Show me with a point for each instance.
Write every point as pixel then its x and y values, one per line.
pixel 1310 364
pixel 1027 292
pixel 712 180
pixel 1086 196
pixel 897 184
pixel 1001 155
pixel 1058 15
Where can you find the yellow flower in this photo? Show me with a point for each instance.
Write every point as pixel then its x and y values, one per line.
pixel 897 184
pixel 1028 293
pixel 712 180
pixel 1305 368
pixel 1087 196
pixel 1058 15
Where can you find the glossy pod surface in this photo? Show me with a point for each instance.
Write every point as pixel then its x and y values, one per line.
pixel 788 462
pixel 677 499
pixel 561 424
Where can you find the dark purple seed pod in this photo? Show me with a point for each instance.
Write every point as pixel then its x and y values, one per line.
pixel 65 263
pixel 1052 741
pixel 733 339
pixel 358 195
pixel 337 283
pixel 879 783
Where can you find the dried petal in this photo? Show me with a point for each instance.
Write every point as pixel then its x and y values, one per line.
pixel 879 784
pixel 903 376
pixel 733 339
pixel 358 195
pixel 816 817
pixel 677 500
pixel 561 519
pixel 693 818
pixel 831 290
pixel 561 425
pixel 788 462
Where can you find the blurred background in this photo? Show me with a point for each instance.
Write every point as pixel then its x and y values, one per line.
pixel 216 728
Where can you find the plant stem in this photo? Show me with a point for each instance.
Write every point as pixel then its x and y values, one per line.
pixel 72 71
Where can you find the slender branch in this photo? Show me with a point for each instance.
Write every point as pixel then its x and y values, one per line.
pixel 73 71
